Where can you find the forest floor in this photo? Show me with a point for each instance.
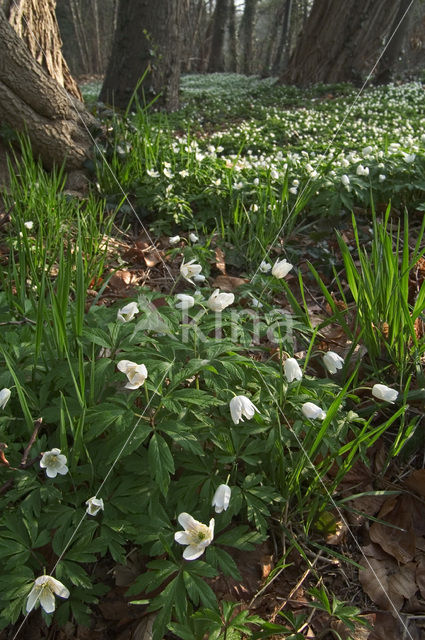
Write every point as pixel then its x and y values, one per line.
pixel 260 176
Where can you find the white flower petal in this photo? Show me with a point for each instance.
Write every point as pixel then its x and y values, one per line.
pixel 4 397
pixel 193 552
pixel 182 537
pixel 47 600
pixel 186 521
pixel 32 599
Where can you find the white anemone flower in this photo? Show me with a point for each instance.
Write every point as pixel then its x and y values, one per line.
pixel 219 301
pixel 312 411
pixel 136 373
pixel 221 498
pixel 193 237
pixel 292 370
pixel 44 590
pixel 281 268
pixel 54 462
pixel 242 406
pixel 174 240
pixel 196 535
pixel 4 397
pixel 184 301
pixel 94 505
pixel 190 269
pixel 128 312
pixel 29 225
pixel 265 267
pixel 382 392
pixel 332 361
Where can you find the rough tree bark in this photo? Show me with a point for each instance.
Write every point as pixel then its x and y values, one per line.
pixel 36 24
pixel 216 59
pixel 340 41
pixel 399 29
pixel 33 102
pixel 147 38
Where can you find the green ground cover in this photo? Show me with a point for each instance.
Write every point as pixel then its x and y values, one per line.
pixel 163 402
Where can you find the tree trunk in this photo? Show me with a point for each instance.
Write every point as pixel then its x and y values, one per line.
pixel 147 39
pixel 216 59
pixel 340 41
pixel 233 49
pixel 33 102
pixel 398 31
pixel 246 34
pixel 36 24
pixel 281 58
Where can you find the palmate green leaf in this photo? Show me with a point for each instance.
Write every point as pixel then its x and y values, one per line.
pixel 72 571
pixel 165 603
pixel 100 417
pixel 182 631
pixel 161 463
pixel 152 579
pixel 97 336
pixel 223 561
pixel 199 590
pixel 241 537
pixel 179 398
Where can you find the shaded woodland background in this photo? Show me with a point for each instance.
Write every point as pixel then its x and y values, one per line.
pixel 252 37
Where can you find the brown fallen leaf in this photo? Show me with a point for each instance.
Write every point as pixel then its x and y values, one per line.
pixel 122 278
pixel 387 584
pixel 399 539
pixel 416 482
pixel 228 283
pixel 420 575
pixel 220 260
pixel 386 628
pixel 153 258
pixel 360 632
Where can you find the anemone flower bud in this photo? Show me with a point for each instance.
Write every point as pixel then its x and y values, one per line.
pixel 345 180
pixel 221 498
pixel 44 590
pixel 4 397
pixel 242 406
pixel 136 373
pixel 193 237
pixel 174 240
pixel 382 392
pixel 292 370
pixel 184 301
pixel 265 267
pixel 312 411
pixel 128 312
pixel 219 301
pixel 196 535
pixel 94 505
pixel 332 361
pixel 281 268
pixel 188 270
